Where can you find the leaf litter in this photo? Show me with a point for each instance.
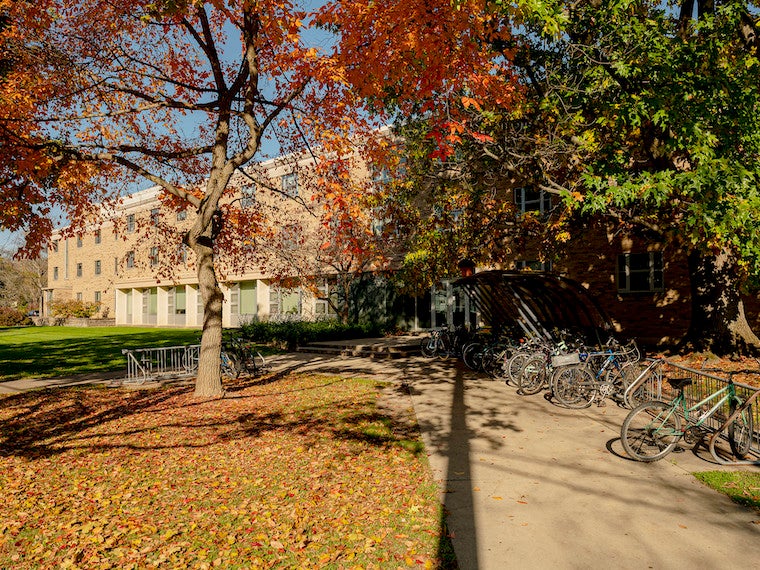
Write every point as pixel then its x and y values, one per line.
pixel 303 472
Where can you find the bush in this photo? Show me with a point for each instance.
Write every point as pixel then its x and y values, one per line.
pixel 294 333
pixel 13 318
pixel 72 308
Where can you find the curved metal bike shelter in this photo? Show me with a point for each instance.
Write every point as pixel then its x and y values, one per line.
pixel 535 302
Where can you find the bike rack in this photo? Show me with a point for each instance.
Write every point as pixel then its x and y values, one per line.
pixel 719 432
pixel 145 364
pixel 750 393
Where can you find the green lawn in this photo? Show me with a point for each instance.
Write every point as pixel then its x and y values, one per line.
pixel 43 352
pixel 742 486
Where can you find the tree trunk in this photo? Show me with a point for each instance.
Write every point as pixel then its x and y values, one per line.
pixel 209 381
pixel 718 323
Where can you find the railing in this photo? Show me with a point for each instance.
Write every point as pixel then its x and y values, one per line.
pixel 704 383
pixel 145 364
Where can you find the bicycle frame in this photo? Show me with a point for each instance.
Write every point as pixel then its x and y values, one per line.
pixel 678 405
pixel 729 394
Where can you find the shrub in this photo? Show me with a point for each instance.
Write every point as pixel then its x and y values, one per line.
pixel 293 333
pixel 10 317
pixel 73 308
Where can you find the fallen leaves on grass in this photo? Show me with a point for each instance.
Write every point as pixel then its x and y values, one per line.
pixel 302 473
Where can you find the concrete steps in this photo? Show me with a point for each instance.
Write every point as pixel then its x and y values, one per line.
pixel 386 347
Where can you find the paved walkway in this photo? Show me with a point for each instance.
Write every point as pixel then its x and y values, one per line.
pixel 527 484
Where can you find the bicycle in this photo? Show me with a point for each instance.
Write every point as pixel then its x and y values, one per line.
pixel 653 429
pixel 444 342
pixel 228 361
pixel 246 360
pixel 578 386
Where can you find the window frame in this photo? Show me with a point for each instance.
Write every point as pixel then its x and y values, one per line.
pixel 543 201
pixel 289 184
pixel 655 272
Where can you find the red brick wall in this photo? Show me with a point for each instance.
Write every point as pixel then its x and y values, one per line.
pixel 651 318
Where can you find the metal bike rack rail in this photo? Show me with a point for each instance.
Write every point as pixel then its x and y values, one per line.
pixel 145 364
pixel 705 382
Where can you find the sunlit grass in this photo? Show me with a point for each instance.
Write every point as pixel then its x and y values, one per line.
pixel 742 486
pixel 44 352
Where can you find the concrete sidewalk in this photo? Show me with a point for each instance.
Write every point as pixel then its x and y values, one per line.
pixel 527 484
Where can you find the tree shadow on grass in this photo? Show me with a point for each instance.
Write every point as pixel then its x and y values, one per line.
pixel 93 353
pixel 50 422
pixel 42 423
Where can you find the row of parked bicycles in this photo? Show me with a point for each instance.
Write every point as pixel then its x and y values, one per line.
pixel 574 373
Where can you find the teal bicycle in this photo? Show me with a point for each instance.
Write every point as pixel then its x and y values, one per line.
pixel 653 429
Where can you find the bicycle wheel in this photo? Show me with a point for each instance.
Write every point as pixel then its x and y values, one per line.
pixel 574 387
pixel 472 355
pixel 533 377
pixel 651 431
pixel 229 365
pixel 740 431
pixel 190 359
pixel 442 350
pixel 428 347
pixel 515 366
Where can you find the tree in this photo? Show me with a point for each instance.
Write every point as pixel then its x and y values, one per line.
pixel 643 113
pixel 659 108
pixel 430 64
pixel 183 94
pixel 21 281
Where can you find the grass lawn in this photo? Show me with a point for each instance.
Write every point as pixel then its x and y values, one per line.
pixel 42 352
pixel 742 486
pixel 296 472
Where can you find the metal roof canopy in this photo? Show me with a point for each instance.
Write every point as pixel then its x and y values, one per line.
pixel 537 302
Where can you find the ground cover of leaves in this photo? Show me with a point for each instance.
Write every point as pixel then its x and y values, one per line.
pixel 305 471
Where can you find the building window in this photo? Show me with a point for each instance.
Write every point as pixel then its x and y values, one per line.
pixel 97 267
pixel 183 254
pixel 54 245
pixel 97 296
pixel 97 236
pixel 153 256
pixel 131 223
pixel 533 265
pixel 533 201
pixel 79 296
pixel 640 272
pixel 115 265
pixel 289 184
pixel 79 241
pixel 154 216
pixel 130 259
pixel 79 269
pixel 322 306
pixel 248 196
pixel 284 301
pixel 180 300
pixel 55 274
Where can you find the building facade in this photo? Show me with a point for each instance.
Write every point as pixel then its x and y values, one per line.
pixel 119 263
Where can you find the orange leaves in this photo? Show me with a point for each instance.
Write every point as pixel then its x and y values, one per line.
pixel 418 50
pixel 284 475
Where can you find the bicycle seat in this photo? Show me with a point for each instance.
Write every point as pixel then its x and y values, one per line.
pixel 679 383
